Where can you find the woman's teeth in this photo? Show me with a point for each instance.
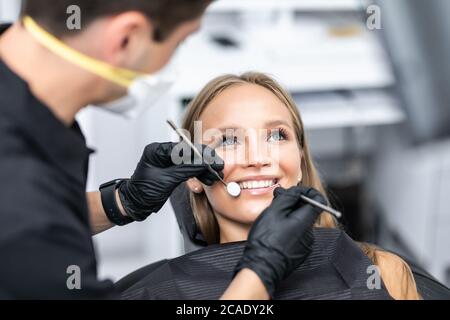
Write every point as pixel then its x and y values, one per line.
pixel 257 184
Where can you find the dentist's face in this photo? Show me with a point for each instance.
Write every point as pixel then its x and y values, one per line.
pixel 260 150
pixel 126 41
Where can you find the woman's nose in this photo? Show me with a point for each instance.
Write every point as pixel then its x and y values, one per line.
pixel 258 154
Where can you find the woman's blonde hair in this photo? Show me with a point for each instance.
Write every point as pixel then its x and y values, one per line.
pixel 202 209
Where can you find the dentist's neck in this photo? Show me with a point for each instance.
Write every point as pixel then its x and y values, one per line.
pixel 63 87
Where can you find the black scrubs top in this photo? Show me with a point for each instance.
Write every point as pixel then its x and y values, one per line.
pixel 44 222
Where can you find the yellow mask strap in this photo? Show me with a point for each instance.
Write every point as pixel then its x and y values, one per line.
pixel 119 76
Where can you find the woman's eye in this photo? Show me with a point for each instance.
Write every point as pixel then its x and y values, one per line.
pixel 276 135
pixel 228 141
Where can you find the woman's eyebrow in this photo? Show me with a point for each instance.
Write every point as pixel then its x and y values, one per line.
pixel 275 123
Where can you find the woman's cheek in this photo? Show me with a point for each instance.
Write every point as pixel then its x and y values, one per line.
pixel 290 164
pixel 214 195
pixel 217 194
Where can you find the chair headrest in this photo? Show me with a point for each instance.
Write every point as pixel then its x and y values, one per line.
pixel 185 217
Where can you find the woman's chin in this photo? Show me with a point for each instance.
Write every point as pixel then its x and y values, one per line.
pixel 253 208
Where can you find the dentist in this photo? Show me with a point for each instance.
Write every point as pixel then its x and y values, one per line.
pixel 48 73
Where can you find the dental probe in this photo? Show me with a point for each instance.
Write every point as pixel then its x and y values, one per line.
pixel 335 213
pixel 233 188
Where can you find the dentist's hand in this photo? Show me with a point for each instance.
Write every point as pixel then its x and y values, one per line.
pixel 281 238
pixel 156 177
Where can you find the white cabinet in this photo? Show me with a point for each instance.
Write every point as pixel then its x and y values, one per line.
pixel 9 10
pixel 309 46
pixel 307 5
pixel 413 188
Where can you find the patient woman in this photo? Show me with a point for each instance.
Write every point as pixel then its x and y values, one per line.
pixel 263 144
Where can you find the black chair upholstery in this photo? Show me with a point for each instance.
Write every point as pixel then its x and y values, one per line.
pixel 134 277
pixel 183 211
pixel 428 286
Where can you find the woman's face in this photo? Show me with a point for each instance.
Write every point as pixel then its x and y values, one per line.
pixel 259 147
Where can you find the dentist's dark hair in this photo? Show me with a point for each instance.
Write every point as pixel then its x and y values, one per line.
pixel 165 15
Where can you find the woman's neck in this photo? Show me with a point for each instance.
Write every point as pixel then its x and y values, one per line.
pixel 232 231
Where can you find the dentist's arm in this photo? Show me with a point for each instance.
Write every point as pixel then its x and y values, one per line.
pixel 99 220
pixel 246 285
pixel 155 178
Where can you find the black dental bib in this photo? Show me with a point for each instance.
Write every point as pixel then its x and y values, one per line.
pixel 336 269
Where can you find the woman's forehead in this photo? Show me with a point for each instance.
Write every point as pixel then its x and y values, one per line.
pixel 246 106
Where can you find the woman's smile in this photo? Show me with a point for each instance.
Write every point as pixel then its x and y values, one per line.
pixel 258 185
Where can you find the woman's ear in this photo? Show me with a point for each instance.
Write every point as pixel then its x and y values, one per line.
pixel 300 176
pixel 195 186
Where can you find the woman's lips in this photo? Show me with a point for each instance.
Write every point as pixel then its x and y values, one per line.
pixel 260 191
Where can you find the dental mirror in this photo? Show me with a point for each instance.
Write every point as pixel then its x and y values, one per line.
pixel 233 189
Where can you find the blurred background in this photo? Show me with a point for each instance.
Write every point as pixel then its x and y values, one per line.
pixel 373 90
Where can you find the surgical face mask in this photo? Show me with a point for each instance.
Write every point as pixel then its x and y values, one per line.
pixel 143 93
pixel 144 90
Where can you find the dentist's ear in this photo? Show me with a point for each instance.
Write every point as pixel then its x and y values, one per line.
pixel 195 186
pixel 121 35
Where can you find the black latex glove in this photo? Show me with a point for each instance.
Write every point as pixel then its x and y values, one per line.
pixel 156 176
pixel 281 238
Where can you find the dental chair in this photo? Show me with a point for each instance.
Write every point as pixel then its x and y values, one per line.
pixel 428 287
